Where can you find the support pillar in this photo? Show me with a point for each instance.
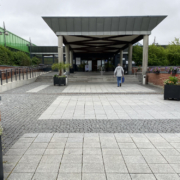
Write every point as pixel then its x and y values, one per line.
pixel 121 58
pixel 53 58
pixel 67 58
pixel 60 49
pixel 71 59
pixel 130 59
pixel 42 59
pixel 145 54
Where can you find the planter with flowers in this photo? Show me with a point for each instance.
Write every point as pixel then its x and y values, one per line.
pixel 60 78
pixel 172 70
pixel 156 70
pixel 172 88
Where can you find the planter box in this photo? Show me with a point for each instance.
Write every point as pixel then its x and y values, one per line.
pixel 172 92
pixel 72 70
pixel 1 161
pixel 60 81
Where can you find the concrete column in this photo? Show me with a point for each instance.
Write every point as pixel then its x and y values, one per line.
pixel 145 54
pixel 67 57
pixel 121 58
pixel 60 49
pixel 145 57
pixel 71 58
pixel 53 58
pixel 130 59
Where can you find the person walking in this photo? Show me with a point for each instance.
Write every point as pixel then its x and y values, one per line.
pixel 119 72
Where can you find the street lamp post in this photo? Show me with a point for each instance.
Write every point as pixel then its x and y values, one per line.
pixel 5 34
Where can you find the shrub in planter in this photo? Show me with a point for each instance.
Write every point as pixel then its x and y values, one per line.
pixel 60 78
pixel 172 88
pixel 156 70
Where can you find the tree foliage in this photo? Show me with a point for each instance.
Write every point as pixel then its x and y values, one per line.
pixel 158 55
pixel 18 58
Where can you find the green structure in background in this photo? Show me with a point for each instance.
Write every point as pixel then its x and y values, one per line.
pixel 14 42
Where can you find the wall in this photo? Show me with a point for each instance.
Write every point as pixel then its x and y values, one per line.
pixel 158 79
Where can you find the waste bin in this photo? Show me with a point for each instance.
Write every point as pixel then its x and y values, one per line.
pixel 144 79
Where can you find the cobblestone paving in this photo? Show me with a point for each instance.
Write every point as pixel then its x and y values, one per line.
pixel 98 156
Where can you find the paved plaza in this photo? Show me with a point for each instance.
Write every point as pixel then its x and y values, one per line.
pixel 98 156
pixel 89 131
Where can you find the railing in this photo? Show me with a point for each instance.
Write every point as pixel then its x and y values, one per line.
pixel 21 73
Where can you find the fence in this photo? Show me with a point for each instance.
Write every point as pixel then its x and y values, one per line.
pixel 21 73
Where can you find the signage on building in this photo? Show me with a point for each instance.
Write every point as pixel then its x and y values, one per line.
pixel 86 67
pixel 78 61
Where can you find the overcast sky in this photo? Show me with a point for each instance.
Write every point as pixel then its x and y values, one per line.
pixel 23 17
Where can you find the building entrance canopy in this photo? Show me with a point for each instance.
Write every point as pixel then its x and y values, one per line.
pixel 103 35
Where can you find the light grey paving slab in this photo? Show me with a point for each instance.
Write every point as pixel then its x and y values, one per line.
pixel 44 167
pixel 155 159
pixel 8 167
pixel 21 146
pixel 44 176
pixel 60 135
pixel 65 176
pixel 53 151
pixel 97 176
pixel 173 159
pixel 175 145
pixel 111 151
pixel 162 145
pixel 17 152
pixel 93 168
pixel 138 168
pixel 11 159
pixel 115 176
pixel 70 168
pixel 161 168
pixel 50 159
pixel 127 146
pixel 73 151
pixel 91 151
pixel 143 177
pixel 25 168
pixel 20 176
pixel 167 177
pixel 145 145
pixel 38 146
pixel 130 152
pixel 169 152
pixel 30 159
pixel 176 167
pixel 115 168
pixel 135 159
pixel 72 158
pixel 124 139
pixel 25 140
pixel 30 135
pixel 113 158
pixel 73 145
pixel 90 159
pixel 149 152
pixel 56 145
pixel 35 152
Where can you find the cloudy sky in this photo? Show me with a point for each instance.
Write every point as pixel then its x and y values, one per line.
pixel 23 17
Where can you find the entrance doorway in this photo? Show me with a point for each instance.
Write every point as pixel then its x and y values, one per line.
pixel 94 65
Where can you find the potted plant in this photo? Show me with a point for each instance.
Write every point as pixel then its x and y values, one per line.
pixel 155 70
pixel 60 78
pixel 172 88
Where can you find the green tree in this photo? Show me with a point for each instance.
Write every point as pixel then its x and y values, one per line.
pixel 21 59
pixel 173 52
pixel 35 61
pixel 137 54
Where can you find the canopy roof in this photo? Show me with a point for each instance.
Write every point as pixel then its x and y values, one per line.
pixel 102 34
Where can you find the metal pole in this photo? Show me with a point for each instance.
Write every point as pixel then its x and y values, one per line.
pixel 11 75
pixel 6 77
pixel 19 75
pixel 4 34
pixel 23 73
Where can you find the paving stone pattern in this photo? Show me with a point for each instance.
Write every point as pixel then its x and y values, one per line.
pixel 112 107
pixel 94 156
